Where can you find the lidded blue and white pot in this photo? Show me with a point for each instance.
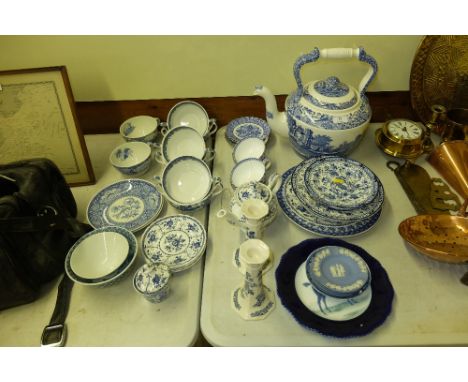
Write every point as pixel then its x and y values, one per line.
pixel 326 116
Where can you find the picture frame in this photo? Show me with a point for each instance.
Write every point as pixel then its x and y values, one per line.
pixel 38 120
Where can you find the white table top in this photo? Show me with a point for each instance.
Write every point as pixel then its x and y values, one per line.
pixel 114 315
pixel 430 306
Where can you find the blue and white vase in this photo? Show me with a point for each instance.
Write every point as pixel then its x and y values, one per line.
pixel 253 300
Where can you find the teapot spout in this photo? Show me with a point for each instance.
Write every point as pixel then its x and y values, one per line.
pixel 277 120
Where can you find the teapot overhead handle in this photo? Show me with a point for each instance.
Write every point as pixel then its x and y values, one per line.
pixel 337 53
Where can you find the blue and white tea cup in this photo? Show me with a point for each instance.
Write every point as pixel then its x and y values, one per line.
pixel 252 147
pixel 249 170
pixel 142 128
pixel 131 158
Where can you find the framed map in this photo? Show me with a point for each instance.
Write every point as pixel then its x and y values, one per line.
pixel 38 120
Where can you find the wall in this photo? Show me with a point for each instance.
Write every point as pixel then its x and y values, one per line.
pixel 158 67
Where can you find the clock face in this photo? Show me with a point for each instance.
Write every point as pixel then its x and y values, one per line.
pixel 402 129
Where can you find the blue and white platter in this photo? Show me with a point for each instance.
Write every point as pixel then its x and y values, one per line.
pixel 340 183
pixel 331 308
pixel 247 127
pixel 311 222
pixel 328 213
pixel 131 203
pixel 118 273
pixel 178 241
pixel 337 271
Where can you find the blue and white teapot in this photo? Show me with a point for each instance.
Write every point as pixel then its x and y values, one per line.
pixel 325 117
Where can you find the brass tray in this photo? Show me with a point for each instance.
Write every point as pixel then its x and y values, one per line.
pixel 439 75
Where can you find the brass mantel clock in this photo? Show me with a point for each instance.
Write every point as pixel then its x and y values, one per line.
pixel 402 138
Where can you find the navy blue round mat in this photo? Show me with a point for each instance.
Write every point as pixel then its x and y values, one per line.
pixel 374 316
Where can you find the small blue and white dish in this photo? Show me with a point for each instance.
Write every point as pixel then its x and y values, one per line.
pixel 249 170
pixel 337 271
pixel 131 158
pixel 340 183
pixel 131 204
pixel 114 275
pixel 152 282
pixel 142 128
pixel 178 241
pixel 247 127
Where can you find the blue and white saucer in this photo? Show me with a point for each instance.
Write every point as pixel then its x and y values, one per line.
pixel 337 271
pixel 178 241
pixel 132 204
pixel 311 222
pixel 340 183
pixel 247 127
pixel 331 308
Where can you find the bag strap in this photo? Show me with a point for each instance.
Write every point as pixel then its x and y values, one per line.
pixel 55 334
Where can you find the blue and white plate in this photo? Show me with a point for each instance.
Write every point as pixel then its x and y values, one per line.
pixel 247 127
pixel 340 183
pixel 132 204
pixel 331 308
pixel 311 222
pixel 118 273
pixel 178 241
pixel 337 271
pixel 328 213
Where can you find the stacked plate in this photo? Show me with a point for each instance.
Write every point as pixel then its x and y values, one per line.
pixel 178 241
pixel 331 196
pixel 334 283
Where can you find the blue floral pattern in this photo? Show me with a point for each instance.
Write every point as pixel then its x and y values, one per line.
pixel 247 127
pixel 178 241
pixel 139 203
pixel 314 223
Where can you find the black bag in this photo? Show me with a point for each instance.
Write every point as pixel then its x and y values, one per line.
pixel 37 228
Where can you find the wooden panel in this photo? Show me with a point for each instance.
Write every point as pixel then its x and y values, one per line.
pixel 106 116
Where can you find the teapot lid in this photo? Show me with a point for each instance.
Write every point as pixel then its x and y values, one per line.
pixel 331 94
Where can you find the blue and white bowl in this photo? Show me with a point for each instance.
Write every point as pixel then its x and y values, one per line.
pixel 131 158
pixel 191 114
pixel 142 128
pixel 101 257
pixel 152 282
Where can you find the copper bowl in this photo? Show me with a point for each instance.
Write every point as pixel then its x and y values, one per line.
pixel 440 237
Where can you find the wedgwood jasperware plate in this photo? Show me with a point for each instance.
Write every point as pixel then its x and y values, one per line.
pixel 178 241
pixel 337 271
pixel 247 127
pixel 326 212
pixel 114 276
pixel 301 216
pixel 132 204
pixel 331 308
pixel 340 183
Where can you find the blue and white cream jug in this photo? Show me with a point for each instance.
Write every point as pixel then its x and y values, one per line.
pixel 324 117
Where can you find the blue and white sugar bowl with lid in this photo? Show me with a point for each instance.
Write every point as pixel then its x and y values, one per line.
pixel 152 281
pixel 337 272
